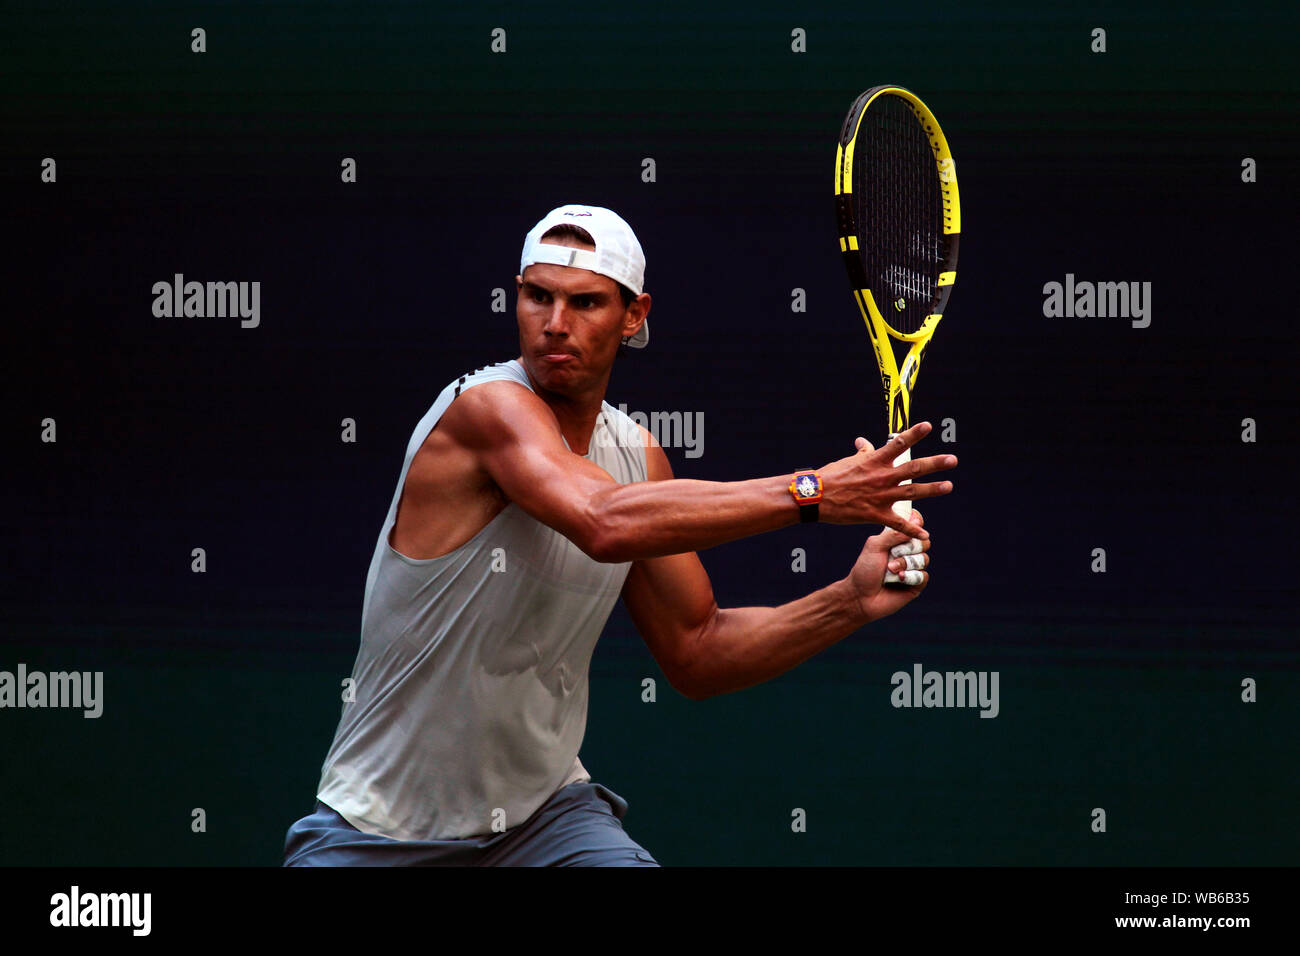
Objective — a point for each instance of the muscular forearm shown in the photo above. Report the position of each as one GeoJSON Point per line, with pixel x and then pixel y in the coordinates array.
{"type": "Point", "coordinates": [741, 647]}
{"type": "Point", "coordinates": [650, 519]}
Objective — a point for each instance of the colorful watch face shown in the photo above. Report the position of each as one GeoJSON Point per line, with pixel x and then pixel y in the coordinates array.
{"type": "Point", "coordinates": [807, 487]}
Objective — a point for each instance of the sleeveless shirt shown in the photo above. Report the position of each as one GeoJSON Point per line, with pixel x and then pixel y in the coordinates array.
{"type": "Point", "coordinates": [471, 678]}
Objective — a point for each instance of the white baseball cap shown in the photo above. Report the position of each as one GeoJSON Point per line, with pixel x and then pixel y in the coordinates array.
{"type": "Point", "coordinates": [617, 254]}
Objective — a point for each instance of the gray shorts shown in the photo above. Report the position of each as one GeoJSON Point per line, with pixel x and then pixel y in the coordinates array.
{"type": "Point", "coordinates": [578, 826]}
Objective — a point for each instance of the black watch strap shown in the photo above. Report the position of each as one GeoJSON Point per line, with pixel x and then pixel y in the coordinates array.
{"type": "Point", "coordinates": [807, 491]}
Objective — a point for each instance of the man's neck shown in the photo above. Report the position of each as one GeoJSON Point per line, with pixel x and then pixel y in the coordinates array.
{"type": "Point", "coordinates": [575, 414]}
{"type": "Point", "coordinates": [577, 422]}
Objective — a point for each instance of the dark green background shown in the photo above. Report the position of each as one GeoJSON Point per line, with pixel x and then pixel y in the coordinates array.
{"type": "Point", "coordinates": [1118, 691]}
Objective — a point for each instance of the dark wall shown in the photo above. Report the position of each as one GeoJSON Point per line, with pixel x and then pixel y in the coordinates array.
{"type": "Point", "coordinates": [1120, 690]}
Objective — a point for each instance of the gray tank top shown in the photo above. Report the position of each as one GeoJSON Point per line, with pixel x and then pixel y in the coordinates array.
{"type": "Point", "coordinates": [471, 679]}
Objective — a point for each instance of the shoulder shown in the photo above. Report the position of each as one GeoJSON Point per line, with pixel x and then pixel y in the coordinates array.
{"type": "Point", "coordinates": [656, 462]}
{"type": "Point", "coordinates": [510, 371]}
{"type": "Point", "coordinates": [496, 406]}
{"type": "Point", "coordinates": [630, 434]}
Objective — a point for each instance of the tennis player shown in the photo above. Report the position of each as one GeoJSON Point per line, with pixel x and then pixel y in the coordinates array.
{"type": "Point", "coordinates": [526, 506]}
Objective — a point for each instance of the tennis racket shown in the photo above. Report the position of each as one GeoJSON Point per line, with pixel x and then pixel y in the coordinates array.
{"type": "Point", "coordinates": [898, 219]}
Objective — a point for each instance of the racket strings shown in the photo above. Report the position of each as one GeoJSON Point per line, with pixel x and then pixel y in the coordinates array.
{"type": "Point", "coordinates": [899, 210]}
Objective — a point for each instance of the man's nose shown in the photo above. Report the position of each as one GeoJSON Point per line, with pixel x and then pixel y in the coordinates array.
{"type": "Point", "coordinates": [557, 321]}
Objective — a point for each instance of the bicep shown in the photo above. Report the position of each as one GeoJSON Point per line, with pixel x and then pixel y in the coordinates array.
{"type": "Point", "coordinates": [670, 599]}
{"type": "Point", "coordinates": [516, 440]}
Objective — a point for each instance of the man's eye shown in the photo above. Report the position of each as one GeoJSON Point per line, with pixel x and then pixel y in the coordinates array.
{"type": "Point", "coordinates": [583, 301]}
{"type": "Point", "coordinates": [539, 295]}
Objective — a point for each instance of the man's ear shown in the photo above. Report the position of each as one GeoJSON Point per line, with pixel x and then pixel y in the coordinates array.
{"type": "Point", "coordinates": [638, 307]}
{"type": "Point", "coordinates": [632, 326]}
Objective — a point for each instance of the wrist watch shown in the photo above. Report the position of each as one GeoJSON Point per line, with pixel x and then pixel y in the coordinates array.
{"type": "Point", "coordinates": [807, 491]}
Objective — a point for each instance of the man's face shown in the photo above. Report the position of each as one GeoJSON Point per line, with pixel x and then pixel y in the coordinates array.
{"type": "Point", "coordinates": [571, 323]}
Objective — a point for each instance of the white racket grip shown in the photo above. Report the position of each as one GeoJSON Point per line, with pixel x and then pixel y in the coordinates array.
{"type": "Point", "coordinates": [901, 508]}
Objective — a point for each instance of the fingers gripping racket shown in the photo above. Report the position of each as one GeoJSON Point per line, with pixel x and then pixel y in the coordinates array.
{"type": "Point", "coordinates": [899, 220]}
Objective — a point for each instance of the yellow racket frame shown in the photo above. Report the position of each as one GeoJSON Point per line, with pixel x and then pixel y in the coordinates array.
{"type": "Point", "coordinates": [899, 380]}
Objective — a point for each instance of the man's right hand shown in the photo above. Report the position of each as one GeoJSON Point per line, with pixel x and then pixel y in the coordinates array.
{"type": "Point", "coordinates": [876, 600]}
{"type": "Point", "coordinates": [862, 488]}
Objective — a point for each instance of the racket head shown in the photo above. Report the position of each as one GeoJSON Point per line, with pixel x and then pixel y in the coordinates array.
{"type": "Point", "coordinates": [898, 210]}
